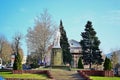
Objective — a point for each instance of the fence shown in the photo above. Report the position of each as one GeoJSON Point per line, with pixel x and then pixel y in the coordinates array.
{"type": "Point", "coordinates": [105, 73]}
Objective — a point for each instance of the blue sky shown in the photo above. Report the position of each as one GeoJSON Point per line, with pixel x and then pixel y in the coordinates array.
{"type": "Point", "coordinates": [18, 15]}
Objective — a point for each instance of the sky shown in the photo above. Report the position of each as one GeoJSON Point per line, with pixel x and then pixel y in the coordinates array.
{"type": "Point", "coordinates": [19, 15]}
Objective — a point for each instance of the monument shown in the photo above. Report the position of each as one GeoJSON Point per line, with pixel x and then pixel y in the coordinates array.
{"type": "Point", "coordinates": [56, 55]}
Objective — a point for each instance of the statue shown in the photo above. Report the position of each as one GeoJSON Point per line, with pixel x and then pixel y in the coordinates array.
{"type": "Point", "coordinates": [56, 43]}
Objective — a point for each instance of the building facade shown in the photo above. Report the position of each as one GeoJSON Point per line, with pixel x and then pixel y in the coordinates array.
{"type": "Point", "coordinates": [75, 50]}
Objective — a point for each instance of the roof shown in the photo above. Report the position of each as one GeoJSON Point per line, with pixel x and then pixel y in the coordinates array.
{"type": "Point", "coordinates": [74, 43]}
{"type": "Point", "coordinates": [74, 46]}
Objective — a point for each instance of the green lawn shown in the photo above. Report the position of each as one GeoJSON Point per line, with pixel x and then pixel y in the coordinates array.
{"type": "Point", "coordinates": [104, 78]}
{"type": "Point", "coordinates": [25, 76]}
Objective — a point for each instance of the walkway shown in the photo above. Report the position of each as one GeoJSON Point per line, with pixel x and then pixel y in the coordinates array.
{"type": "Point", "coordinates": [60, 74]}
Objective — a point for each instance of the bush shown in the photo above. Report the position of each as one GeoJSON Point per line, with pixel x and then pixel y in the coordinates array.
{"type": "Point", "coordinates": [107, 64]}
{"type": "Point", "coordinates": [18, 62]}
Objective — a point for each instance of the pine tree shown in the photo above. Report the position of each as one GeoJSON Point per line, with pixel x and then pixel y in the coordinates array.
{"type": "Point", "coordinates": [107, 64]}
{"type": "Point", "coordinates": [80, 65]}
{"type": "Point", "coordinates": [91, 53]}
{"type": "Point", "coordinates": [67, 56]}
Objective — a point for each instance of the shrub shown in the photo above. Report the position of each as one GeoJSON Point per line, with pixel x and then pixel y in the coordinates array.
{"type": "Point", "coordinates": [18, 62]}
{"type": "Point", "coordinates": [80, 65]}
{"type": "Point", "coordinates": [107, 64]}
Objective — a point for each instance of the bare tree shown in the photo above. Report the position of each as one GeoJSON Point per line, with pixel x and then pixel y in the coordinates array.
{"type": "Point", "coordinates": [2, 41]}
{"type": "Point", "coordinates": [5, 50]}
{"type": "Point", "coordinates": [6, 53]}
{"type": "Point", "coordinates": [40, 36]}
{"type": "Point", "coordinates": [16, 44]}
{"type": "Point", "coordinates": [115, 58]}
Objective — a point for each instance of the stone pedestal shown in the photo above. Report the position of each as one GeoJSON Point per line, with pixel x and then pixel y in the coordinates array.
{"type": "Point", "coordinates": [56, 57]}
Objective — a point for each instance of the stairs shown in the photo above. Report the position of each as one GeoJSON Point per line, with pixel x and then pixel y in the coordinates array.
{"type": "Point", "coordinates": [60, 74]}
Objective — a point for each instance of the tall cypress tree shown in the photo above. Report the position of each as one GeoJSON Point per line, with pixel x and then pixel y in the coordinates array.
{"type": "Point", "coordinates": [91, 53]}
{"type": "Point", "coordinates": [67, 56]}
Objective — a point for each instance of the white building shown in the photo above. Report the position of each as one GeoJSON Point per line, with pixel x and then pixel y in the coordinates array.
{"type": "Point", "coordinates": [75, 50]}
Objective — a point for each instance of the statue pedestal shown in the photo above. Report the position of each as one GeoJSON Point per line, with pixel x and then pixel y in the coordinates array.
{"type": "Point", "coordinates": [56, 57]}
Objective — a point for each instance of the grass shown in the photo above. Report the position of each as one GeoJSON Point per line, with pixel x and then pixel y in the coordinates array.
{"type": "Point", "coordinates": [21, 76]}
{"type": "Point", "coordinates": [104, 78]}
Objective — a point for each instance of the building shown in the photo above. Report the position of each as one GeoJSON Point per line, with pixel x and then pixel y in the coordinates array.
{"type": "Point", "coordinates": [75, 50]}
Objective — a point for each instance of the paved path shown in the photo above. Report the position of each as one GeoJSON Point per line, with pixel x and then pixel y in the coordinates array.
{"type": "Point", "coordinates": [60, 74]}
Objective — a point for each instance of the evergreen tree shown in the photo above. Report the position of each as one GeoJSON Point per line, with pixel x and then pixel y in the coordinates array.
{"type": "Point", "coordinates": [67, 56]}
{"type": "Point", "coordinates": [107, 64]}
{"type": "Point", "coordinates": [80, 65]}
{"type": "Point", "coordinates": [91, 53]}
{"type": "Point", "coordinates": [17, 63]}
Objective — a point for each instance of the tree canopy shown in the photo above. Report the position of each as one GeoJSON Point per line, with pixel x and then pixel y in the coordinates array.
{"type": "Point", "coordinates": [39, 37]}
{"type": "Point", "coordinates": [91, 53]}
